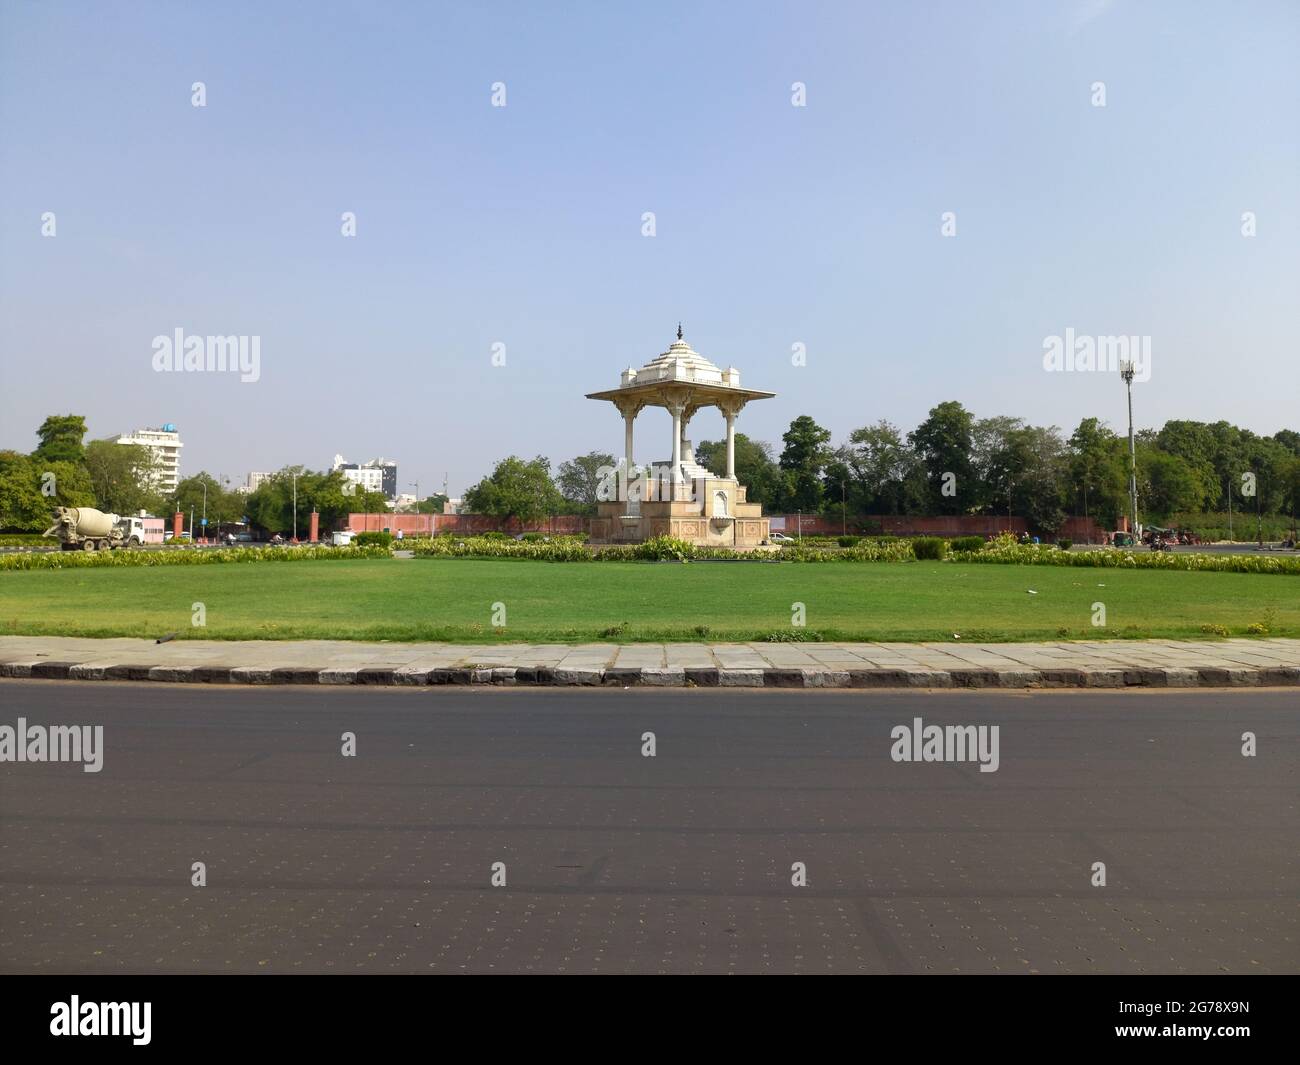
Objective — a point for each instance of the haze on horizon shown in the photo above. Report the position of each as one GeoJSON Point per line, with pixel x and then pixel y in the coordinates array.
{"type": "Point", "coordinates": [522, 225]}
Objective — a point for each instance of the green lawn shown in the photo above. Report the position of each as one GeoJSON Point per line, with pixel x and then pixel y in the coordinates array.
{"type": "Point", "coordinates": [452, 599]}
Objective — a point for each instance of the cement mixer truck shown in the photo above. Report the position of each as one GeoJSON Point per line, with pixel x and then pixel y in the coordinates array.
{"type": "Point", "coordinates": [87, 529]}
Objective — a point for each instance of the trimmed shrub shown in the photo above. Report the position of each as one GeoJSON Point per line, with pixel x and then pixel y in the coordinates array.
{"type": "Point", "coordinates": [376, 539]}
{"type": "Point", "coordinates": [665, 549]}
{"type": "Point", "coordinates": [215, 556]}
{"type": "Point", "coordinates": [967, 543]}
{"type": "Point", "coordinates": [930, 548]}
{"type": "Point", "coordinates": [1065, 545]}
{"type": "Point", "coordinates": [848, 541]}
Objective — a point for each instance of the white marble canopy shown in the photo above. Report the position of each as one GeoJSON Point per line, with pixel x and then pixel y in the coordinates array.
{"type": "Point", "coordinates": [681, 380]}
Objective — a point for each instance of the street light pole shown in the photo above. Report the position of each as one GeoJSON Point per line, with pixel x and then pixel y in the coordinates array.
{"type": "Point", "coordinates": [205, 512]}
{"type": "Point", "coordinates": [1126, 371]}
{"type": "Point", "coordinates": [295, 508]}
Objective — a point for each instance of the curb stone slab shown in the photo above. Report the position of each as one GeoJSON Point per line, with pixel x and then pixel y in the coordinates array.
{"type": "Point", "coordinates": [1273, 662]}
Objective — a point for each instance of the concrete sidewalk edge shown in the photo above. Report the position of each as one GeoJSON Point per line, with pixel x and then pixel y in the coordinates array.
{"type": "Point", "coordinates": [704, 677]}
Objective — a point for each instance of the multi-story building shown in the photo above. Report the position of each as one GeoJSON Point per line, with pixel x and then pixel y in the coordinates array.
{"type": "Point", "coordinates": [255, 481]}
{"type": "Point", "coordinates": [377, 475]}
{"type": "Point", "coordinates": [165, 444]}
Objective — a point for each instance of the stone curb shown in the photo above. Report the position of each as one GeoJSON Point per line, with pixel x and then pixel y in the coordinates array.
{"type": "Point", "coordinates": [697, 677]}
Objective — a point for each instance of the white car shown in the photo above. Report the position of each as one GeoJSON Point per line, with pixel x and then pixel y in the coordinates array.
{"type": "Point", "coordinates": [781, 538]}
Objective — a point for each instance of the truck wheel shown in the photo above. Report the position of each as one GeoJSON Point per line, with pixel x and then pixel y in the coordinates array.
{"type": "Point", "coordinates": [88, 545]}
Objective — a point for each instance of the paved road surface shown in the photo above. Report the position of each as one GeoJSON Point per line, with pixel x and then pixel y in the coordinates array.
{"type": "Point", "coordinates": [617, 862]}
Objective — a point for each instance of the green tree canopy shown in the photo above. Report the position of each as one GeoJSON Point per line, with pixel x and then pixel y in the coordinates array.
{"type": "Point", "coordinates": [803, 460]}
{"type": "Point", "coordinates": [60, 439]}
{"type": "Point", "coordinates": [579, 478]}
{"type": "Point", "coordinates": [944, 442]}
{"type": "Point", "coordinates": [121, 476]}
{"type": "Point", "coordinates": [516, 489]}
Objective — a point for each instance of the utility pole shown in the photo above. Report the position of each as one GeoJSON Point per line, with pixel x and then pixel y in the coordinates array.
{"type": "Point", "coordinates": [1126, 371]}
{"type": "Point", "coordinates": [295, 508]}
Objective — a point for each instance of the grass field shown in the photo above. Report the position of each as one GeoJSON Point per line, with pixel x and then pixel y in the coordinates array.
{"type": "Point", "coordinates": [437, 599]}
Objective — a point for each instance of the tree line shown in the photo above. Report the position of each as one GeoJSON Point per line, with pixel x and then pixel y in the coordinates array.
{"type": "Point", "coordinates": [63, 470]}
{"type": "Point", "coordinates": [952, 463]}
{"type": "Point", "coordinates": [956, 463]}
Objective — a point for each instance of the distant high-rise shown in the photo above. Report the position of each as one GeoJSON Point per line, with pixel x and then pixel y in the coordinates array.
{"type": "Point", "coordinates": [377, 475]}
{"type": "Point", "coordinates": [165, 445]}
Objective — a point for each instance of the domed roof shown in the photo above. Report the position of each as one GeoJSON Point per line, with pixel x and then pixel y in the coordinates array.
{"type": "Point", "coordinates": [681, 366]}
{"type": "Point", "coordinates": [680, 362]}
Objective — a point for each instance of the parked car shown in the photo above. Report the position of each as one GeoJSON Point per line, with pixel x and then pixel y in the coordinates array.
{"type": "Point", "coordinates": [781, 538]}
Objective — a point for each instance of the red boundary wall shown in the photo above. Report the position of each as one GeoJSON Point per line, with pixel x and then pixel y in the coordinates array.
{"type": "Point", "coordinates": [418, 524]}
{"type": "Point", "coordinates": [1081, 530]}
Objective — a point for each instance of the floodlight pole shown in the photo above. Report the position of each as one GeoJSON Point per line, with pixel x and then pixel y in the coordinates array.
{"type": "Point", "coordinates": [1126, 372]}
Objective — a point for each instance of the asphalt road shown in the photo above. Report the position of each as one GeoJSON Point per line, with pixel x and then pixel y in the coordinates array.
{"type": "Point", "coordinates": [681, 862]}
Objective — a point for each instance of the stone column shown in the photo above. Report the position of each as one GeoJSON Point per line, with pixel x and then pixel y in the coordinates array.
{"type": "Point", "coordinates": [730, 408]}
{"type": "Point", "coordinates": [677, 447]}
{"type": "Point", "coordinates": [628, 418]}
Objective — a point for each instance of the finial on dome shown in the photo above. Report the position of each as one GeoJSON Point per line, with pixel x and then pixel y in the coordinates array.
{"type": "Point", "coordinates": [679, 330]}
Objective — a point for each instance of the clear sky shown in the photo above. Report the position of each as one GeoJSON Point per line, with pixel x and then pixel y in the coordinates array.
{"type": "Point", "coordinates": [522, 225]}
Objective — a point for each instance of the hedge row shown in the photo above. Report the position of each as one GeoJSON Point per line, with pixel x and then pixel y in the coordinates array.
{"type": "Point", "coordinates": [1004, 551]}
{"type": "Point", "coordinates": [1047, 555]}
{"type": "Point", "coordinates": [194, 557]}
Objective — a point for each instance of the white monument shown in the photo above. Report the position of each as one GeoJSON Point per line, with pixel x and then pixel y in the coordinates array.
{"type": "Point", "coordinates": [679, 497]}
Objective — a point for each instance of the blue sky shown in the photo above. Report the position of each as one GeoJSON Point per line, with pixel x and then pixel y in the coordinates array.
{"type": "Point", "coordinates": [521, 225]}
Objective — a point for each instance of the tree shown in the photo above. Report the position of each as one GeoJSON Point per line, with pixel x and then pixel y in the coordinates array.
{"type": "Point", "coordinates": [996, 465]}
{"type": "Point", "coordinates": [1036, 461]}
{"type": "Point", "coordinates": [944, 443]}
{"type": "Point", "coordinates": [803, 459]}
{"type": "Point", "coordinates": [880, 463]}
{"type": "Point", "coordinates": [22, 506]}
{"type": "Point", "coordinates": [61, 436]}
{"type": "Point", "coordinates": [331, 495]}
{"type": "Point", "coordinates": [579, 478]}
{"type": "Point", "coordinates": [1098, 472]}
{"type": "Point", "coordinates": [1167, 483]}
{"type": "Point", "coordinates": [205, 496]}
{"type": "Point", "coordinates": [1289, 439]}
{"type": "Point", "coordinates": [432, 505]}
{"type": "Point", "coordinates": [122, 477]}
{"type": "Point", "coordinates": [517, 490]}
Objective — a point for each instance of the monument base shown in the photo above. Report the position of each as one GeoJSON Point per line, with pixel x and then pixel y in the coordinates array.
{"type": "Point", "coordinates": [716, 515]}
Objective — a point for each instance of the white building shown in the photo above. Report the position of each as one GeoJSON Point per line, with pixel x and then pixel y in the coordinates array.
{"type": "Point", "coordinates": [165, 444]}
{"type": "Point", "coordinates": [377, 475]}
{"type": "Point", "coordinates": [255, 481]}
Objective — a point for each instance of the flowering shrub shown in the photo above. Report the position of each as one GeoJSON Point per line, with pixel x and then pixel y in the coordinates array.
{"type": "Point", "coordinates": [665, 549]}
{"type": "Point", "coordinates": [1007, 551]}
{"type": "Point", "coordinates": [195, 557]}
{"type": "Point", "coordinates": [557, 549]}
